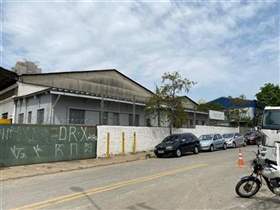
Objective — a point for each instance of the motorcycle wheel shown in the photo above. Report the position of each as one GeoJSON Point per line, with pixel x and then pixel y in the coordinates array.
{"type": "Point", "coordinates": [270, 187]}
{"type": "Point", "coordinates": [247, 188]}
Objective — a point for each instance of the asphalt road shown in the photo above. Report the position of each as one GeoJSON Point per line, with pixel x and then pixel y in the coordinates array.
{"type": "Point", "coordinates": [204, 181]}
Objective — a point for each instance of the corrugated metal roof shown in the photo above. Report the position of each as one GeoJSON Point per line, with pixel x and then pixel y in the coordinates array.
{"type": "Point", "coordinates": [7, 78]}
{"type": "Point", "coordinates": [102, 83]}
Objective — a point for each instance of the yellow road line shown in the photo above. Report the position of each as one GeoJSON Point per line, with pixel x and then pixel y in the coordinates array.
{"type": "Point", "coordinates": [69, 197]}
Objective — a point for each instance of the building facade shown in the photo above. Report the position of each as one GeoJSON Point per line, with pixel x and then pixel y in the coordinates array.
{"type": "Point", "coordinates": [242, 109]}
{"type": "Point", "coordinates": [98, 97]}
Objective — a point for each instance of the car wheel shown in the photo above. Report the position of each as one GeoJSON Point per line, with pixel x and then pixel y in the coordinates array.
{"type": "Point", "coordinates": [195, 151]}
{"type": "Point", "coordinates": [159, 156]}
{"type": "Point", "coordinates": [234, 145]}
{"type": "Point", "coordinates": [178, 153]}
{"type": "Point", "coordinates": [211, 148]}
{"type": "Point", "coordinates": [225, 146]}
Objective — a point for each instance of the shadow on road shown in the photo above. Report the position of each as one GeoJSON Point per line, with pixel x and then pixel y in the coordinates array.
{"type": "Point", "coordinates": [264, 203]}
{"type": "Point", "coordinates": [81, 190]}
{"type": "Point", "coordinates": [141, 206]}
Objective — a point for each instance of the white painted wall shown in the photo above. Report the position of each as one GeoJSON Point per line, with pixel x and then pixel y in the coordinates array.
{"type": "Point", "coordinates": [7, 105]}
{"type": "Point", "coordinates": [33, 104]}
{"type": "Point", "coordinates": [146, 137]}
{"type": "Point", "coordinates": [92, 108]}
{"type": "Point", "coordinates": [25, 89]}
{"type": "Point", "coordinates": [250, 112]}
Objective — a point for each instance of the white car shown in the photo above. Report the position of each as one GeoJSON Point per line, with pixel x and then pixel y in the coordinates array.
{"type": "Point", "coordinates": [234, 140]}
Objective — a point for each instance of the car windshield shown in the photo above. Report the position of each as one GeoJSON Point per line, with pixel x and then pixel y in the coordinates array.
{"type": "Point", "coordinates": [249, 133]}
{"type": "Point", "coordinates": [271, 119]}
{"type": "Point", "coordinates": [253, 134]}
{"type": "Point", "coordinates": [205, 137]}
{"type": "Point", "coordinates": [228, 135]}
{"type": "Point", "coordinates": [172, 138]}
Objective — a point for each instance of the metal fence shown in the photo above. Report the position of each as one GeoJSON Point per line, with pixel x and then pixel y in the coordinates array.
{"type": "Point", "coordinates": [28, 144]}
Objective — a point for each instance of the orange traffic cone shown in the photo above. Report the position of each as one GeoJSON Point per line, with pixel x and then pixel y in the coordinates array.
{"type": "Point", "coordinates": [240, 159]}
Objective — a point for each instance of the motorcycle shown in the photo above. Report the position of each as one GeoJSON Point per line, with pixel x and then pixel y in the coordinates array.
{"type": "Point", "coordinates": [263, 169]}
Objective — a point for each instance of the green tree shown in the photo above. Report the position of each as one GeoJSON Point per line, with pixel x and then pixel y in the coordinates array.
{"type": "Point", "coordinates": [205, 107]}
{"type": "Point", "coordinates": [269, 95]}
{"type": "Point", "coordinates": [167, 99]}
{"type": "Point", "coordinates": [238, 115]}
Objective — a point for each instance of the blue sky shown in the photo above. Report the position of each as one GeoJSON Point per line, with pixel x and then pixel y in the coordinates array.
{"type": "Point", "coordinates": [227, 47]}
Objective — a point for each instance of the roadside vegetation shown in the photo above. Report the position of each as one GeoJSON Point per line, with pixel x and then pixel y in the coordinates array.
{"type": "Point", "coordinates": [167, 100]}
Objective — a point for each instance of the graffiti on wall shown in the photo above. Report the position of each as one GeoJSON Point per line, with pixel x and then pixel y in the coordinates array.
{"type": "Point", "coordinates": [24, 144]}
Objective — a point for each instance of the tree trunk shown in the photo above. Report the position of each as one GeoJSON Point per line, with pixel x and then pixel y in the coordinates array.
{"type": "Point", "coordinates": [170, 128]}
{"type": "Point", "coordinates": [158, 118]}
{"type": "Point", "coordinates": [171, 124]}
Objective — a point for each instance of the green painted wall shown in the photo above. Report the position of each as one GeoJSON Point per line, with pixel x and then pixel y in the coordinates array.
{"type": "Point", "coordinates": [28, 144]}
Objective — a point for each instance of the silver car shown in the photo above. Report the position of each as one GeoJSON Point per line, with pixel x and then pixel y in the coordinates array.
{"type": "Point", "coordinates": [234, 140]}
{"type": "Point", "coordinates": [210, 142]}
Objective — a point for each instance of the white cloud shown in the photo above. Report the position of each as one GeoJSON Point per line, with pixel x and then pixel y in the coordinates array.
{"type": "Point", "coordinates": [211, 43]}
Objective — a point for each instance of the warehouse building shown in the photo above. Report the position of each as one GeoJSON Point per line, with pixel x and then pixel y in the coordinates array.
{"type": "Point", "coordinates": [97, 97]}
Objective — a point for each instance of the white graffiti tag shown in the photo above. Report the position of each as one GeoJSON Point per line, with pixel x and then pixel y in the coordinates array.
{"type": "Point", "coordinates": [18, 153]}
{"type": "Point", "coordinates": [84, 133]}
{"type": "Point", "coordinates": [88, 148]}
{"type": "Point", "coordinates": [73, 149]}
{"type": "Point", "coordinates": [58, 150]}
{"type": "Point", "coordinates": [37, 150]}
{"type": "Point", "coordinates": [92, 137]}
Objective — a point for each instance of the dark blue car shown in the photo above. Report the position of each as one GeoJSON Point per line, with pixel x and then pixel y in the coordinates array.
{"type": "Point", "coordinates": [178, 144]}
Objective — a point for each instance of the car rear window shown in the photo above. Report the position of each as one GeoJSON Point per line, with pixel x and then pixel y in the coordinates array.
{"type": "Point", "coordinates": [228, 135]}
{"type": "Point", "coordinates": [171, 138]}
{"type": "Point", "coordinates": [205, 137]}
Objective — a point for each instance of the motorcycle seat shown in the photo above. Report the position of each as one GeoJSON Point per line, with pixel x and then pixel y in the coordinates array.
{"type": "Point", "coordinates": [271, 162]}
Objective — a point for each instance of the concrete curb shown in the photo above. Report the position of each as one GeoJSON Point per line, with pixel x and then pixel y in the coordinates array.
{"type": "Point", "coordinates": [113, 162]}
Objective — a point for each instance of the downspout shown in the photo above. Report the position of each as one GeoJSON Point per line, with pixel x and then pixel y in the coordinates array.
{"type": "Point", "coordinates": [15, 112]}
{"type": "Point", "coordinates": [25, 115]}
{"type": "Point", "coordinates": [194, 118]}
{"type": "Point", "coordinates": [133, 111]}
{"type": "Point", "coordinates": [53, 106]}
{"type": "Point", "coordinates": [101, 121]}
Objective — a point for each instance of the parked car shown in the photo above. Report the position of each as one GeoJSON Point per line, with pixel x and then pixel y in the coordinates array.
{"type": "Point", "coordinates": [252, 137]}
{"type": "Point", "coordinates": [178, 144]}
{"type": "Point", "coordinates": [211, 142]}
{"type": "Point", "coordinates": [234, 140]}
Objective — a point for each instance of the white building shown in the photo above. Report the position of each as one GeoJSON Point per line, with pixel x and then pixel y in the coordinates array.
{"type": "Point", "coordinates": [98, 97]}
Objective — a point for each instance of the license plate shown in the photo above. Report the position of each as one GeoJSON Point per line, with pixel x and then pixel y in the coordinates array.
{"type": "Point", "coordinates": [160, 151]}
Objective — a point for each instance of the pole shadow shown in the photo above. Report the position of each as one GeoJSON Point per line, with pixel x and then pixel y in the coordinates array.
{"type": "Point", "coordinates": [81, 190]}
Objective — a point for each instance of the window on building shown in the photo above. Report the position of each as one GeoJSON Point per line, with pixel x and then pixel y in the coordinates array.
{"type": "Point", "coordinates": [21, 118]}
{"type": "Point", "coordinates": [191, 122]}
{"type": "Point", "coordinates": [29, 117]}
{"type": "Point", "coordinates": [40, 116]}
{"type": "Point", "coordinates": [197, 122]}
{"type": "Point", "coordinates": [76, 116]}
{"type": "Point", "coordinates": [105, 118]}
{"type": "Point", "coordinates": [130, 120]}
{"type": "Point", "coordinates": [5, 115]}
{"type": "Point", "coordinates": [148, 122]}
{"type": "Point", "coordinates": [137, 120]}
{"type": "Point", "coordinates": [116, 119]}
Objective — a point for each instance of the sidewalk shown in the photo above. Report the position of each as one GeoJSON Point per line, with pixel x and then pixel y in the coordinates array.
{"type": "Point", "coordinates": [18, 172]}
